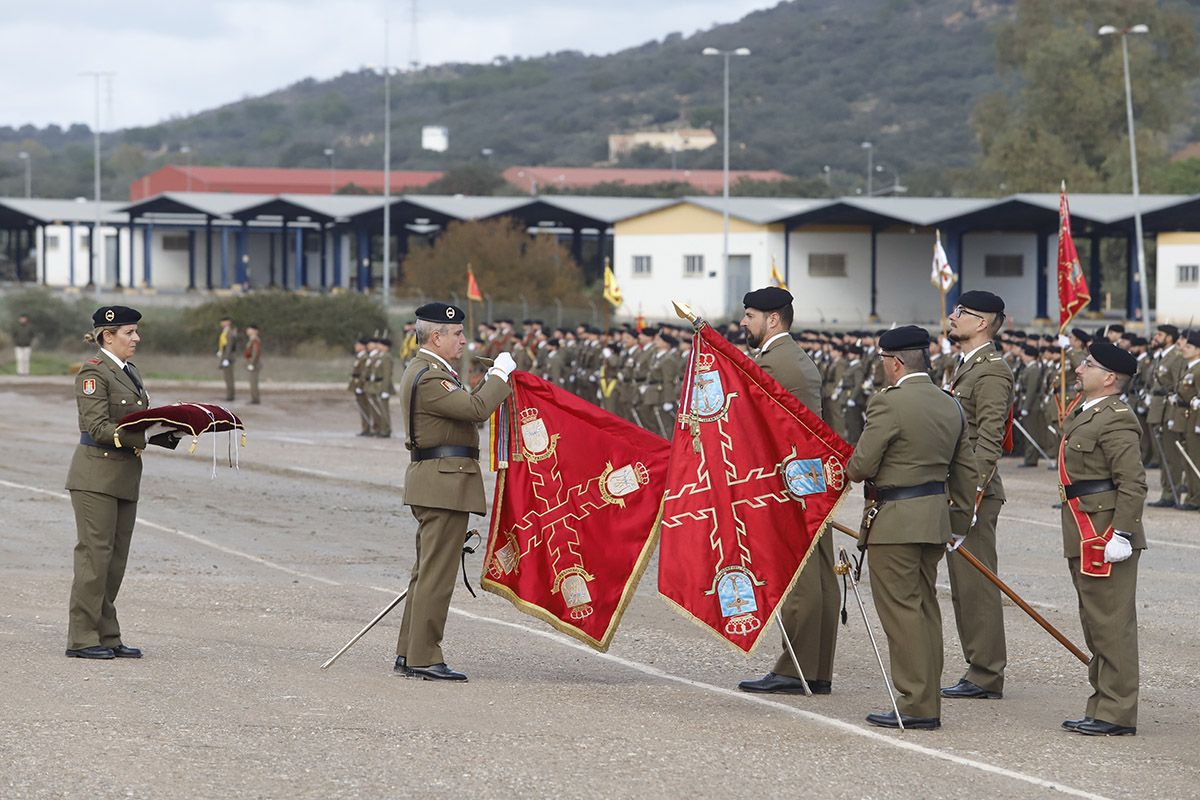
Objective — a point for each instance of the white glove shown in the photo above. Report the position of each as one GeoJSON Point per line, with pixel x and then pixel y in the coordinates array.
{"type": "Point", "coordinates": [955, 542]}
{"type": "Point", "coordinates": [642, 389]}
{"type": "Point", "coordinates": [1064, 341]}
{"type": "Point", "coordinates": [505, 364]}
{"type": "Point", "coordinates": [384, 395]}
{"type": "Point", "coordinates": [1196, 402]}
{"type": "Point", "coordinates": [606, 352]}
{"type": "Point", "coordinates": [224, 363]}
{"type": "Point", "coordinates": [946, 347]}
{"type": "Point", "coordinates": [250, 367]}
{"type": "Point", "coordinates": [358, 391]}
{"type": "Point", "coordinates": [668, 406]}
{"type": "Point", "coordinates": [1117, 549]}
{"type": "Point", "coordinates": [1173, 399]}
{"type": "Point", "coordinates": [850, 403]}
{"type": "Point", "coordinates": [1024, 412]}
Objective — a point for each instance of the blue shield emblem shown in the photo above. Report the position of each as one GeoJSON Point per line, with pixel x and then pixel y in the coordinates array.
{"type": "Point", "coordinates": [735, 591]}
{"type": "Point", "coordinates": [708, 398]}
{"type": "Point", "coordinates": [804, 476]}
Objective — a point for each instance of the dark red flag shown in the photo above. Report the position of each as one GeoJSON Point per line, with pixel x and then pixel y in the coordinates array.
{"type": "Point", "coordinates": [1073, 294]}
{"type": "Point", "coordinates": [754, 477]}
{"type": "Point", "coordinates": [573, 519]}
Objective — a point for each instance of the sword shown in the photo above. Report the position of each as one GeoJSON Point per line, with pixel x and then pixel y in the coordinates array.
{"type": "Point", "coordinates": [1162, 459]}
{"type": "Point", "coordinates": [1012, 595]}
{"type": "Point", "coordinates": [1017, 424]}
{"type": "Point", "coordinates": [792, 653]}
{"type": "Point", "coordinates": [843, 568]}
{"type": "Point", "coordinates": [368, 627]}
{"type": "Point", "coordinates": [1188, 459]}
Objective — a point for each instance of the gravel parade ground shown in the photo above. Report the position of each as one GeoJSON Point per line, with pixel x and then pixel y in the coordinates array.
{"type": "Point", "coordinates": [240, 586]}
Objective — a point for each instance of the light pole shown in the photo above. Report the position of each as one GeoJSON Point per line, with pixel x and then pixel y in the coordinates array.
{"type": "Point", "coordinates": [186, 152]}
{"type": "Point", "coordinates": [28, 173]}
{"type": "Point", "coordinates": [97, 240]}
{"type": "Point", "coordinates": [712, 51]}
{"type": "Point", "coordinates": [895, 188]}
{"type": "Point", "coordinates": [870, 148]}
{"type": "Point", "coordinates": [1109, 30]}
{"type": "Point", "coordinates": [329, 155]}
{"type": "Point", "coordinates": [387, 169]}
{"type": "Point", "coordinates": [828, 176]}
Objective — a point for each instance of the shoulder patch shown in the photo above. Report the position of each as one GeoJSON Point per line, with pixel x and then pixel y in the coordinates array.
{"type": "Point", "coordinates": [449, 387]}
{"type": "Point", "coordinates": [89, 386]}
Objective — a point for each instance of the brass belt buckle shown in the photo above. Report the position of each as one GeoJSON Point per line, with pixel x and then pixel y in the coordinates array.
{"type": "Point", "coordinates": [1062, 493]}
{"type": "Point", "coordinates": [869, 520]}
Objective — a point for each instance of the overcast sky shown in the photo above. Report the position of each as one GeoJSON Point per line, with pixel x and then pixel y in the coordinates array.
{"type": "Point", "coordinates": [181, 56]}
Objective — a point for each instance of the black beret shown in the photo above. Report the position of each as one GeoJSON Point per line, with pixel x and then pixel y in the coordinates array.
{"type": "Point", "coordinates": [114, 315]}
{"type": "Point", "coordinates": [364, 340]}
{"type": "Point", "coordinates": [669, 339]}
{"type": "Point", "coordinates": [1113, 357]}
{"type": "Point", "coordinates": [441, 312]}
{"type": "Point", "coordinates": [383, 340]}
{"type": "Point", "coordinates": [1030, 350]}
{"type": "Point", "coordinates": [1081, 335]}
{"type": "Point", "coordinates": [981, 301]}
{"type": "Point", "coordinates": [854, 350]}
{"type": "Point", "coordinates": [1170, 330]}
{"type": "Point", "coordinates": [1116, 327]}
{"type": "Point", "coordinates": [1193, 338]}
{"type": "Point", "coordinates": [772, 298]}
{"type": "Point", "coordinates": [906, 337]}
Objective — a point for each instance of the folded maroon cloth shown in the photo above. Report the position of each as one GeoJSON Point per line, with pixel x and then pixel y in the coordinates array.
{"type": "Point", "coordinates": [190, 418]}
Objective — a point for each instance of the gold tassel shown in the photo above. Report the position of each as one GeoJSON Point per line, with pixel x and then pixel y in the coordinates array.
{"type": "Point", "coordinates": [116, 440]}
{"type": "Point", "coordinates": [195, 444]}
{"type": "Point", "coordinates": [243, 438]}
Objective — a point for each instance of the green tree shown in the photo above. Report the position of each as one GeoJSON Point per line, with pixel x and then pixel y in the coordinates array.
{"type": "Point", "coordinates": [470, 179]}
{"type": "Point", "coordinates": [508, 264]}
{"type": "Point", "coordinates": [1063, 116]}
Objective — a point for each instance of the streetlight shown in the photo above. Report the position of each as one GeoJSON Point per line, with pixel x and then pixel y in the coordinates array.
{"type": "Point", "coordinates": [329, 155]}
{"type": "Point", "coordinates": [895, 188]}
{"type": "Point", "coordinates": [96, 242]}
{"type": "Point", "coordinates": [870, 148]}
{"type": "Point", "coordinates": [28, 173]}
{"type": "Point", "coordinates": [186, 152]}
{"type": "Point", "coordinates": [828, 175]}
{"type": "Point", "coordinates": [1109, 30]}
{"type": "Point", "coordinates": [712, 51]}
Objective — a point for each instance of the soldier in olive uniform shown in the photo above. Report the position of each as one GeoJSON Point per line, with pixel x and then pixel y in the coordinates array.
{"type": "Point", "coordinates": [226, 352]}
{"type": "Point", "coordinates": [914, 448]}
{"type": "Point", "coordinates": [983, 385]}
{"type": "Point", "coordinates": [22, 339]}
{"type": "Point", "coordinates": [1029, 406]}
{"type": "Point", "coordinates": [358, 384]}
{"type": "Point", "coordinates": [442, 484]}
{"type": "Point", "coordinates": [381, 376]}
{"type": "Point", "coordinates": [105, 474]}
{"type": "Point", "coordinates": [1104, 492]}
{"type": "Point", "coordinates": [253, 356]}
{"type": "Point", "coordinates": [1188, 399]}
{"type": "Point", "coordinates": [809, 613]}
{"type": "Point", "coordinates": [1169, 366]}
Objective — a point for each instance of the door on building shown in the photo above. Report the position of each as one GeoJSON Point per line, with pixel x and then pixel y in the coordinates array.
{"type": "Point", "coordinates": [737, 283]}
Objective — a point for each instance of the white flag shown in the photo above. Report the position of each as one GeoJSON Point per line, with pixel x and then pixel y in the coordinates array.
{"type": "Point", "coordinates": [943, 276]}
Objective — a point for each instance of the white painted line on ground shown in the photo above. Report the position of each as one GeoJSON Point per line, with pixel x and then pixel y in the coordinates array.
{"type": "Point", "coordinates": [319, 472]}
{"type": "Point", "coordinates": [846, 727]}
{"type": "Point", "coordinates": [1058, 527]}
{"type": "Point", "coordinates": [190, 537]}
{"type": "Point", "coordinates": [289, 439]}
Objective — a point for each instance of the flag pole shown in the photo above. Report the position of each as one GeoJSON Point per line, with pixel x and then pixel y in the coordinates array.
{"type": "Point", "coordinates": [941, 288]}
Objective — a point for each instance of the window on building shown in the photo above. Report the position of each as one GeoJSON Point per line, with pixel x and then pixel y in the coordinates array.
{"type": "Point", "coordinates": [641, 265]}
{"type": "Point", "coordinates": [1003, 266]}
{"type": "Point", "coordinates": [175, 242]}
{"type": "Point", "coordinates": [693, 266]}
{"type": "Point", "coordinates": [827, 265]}
{"type": "Point", "coordinates": [52, 243]}
{"type": "Point", "coordinates": [1189, 275]}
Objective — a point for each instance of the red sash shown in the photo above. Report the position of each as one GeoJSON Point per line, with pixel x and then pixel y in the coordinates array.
{"type": "Point", "coordinates": [1091, 544]}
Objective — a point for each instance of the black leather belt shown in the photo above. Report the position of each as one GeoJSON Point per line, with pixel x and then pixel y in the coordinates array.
{"type": "Point", "coordinates": [1081, 488]}
{"type": "Point", "coordinates": [639, 380]}
{"type": "Point", "coordinates": [445, 451]}
{"type": "Point", "coordinates": [86, 438]}
{"type": "Point", "coordinates": [1160, 393]}
{"type": "Point", "coordinates": [890, 493]}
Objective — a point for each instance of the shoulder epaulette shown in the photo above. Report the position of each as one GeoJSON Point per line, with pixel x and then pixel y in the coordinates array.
{"type": "Point", "coordinates": [93, 361]}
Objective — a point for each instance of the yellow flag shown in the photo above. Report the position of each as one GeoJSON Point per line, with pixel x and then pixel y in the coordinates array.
{"type": "Point", "coordinates": [612, 292]}
{"type": "Point", "coordinates": [776, 278]}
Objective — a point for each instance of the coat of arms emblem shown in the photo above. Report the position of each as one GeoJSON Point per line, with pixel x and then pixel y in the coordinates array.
{"type": "Point", "coordinates": [708, 397]}
{"type": "Point", "coordinates": [536, 442]}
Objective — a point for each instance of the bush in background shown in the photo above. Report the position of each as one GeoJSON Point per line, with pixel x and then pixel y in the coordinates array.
{"type": "Point", "coordinates": [59, 321]}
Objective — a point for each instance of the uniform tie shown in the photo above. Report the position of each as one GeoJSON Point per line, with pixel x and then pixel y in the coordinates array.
{"type": "Point", "coordinates": [136, 383]}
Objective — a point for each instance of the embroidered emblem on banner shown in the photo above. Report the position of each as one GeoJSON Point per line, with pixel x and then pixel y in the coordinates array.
{"type": "Point", "coordinates": [709, 400]}
{"type": "Point", "coordinates": [536, 441]}
{"type": "Point", "coordinates": [803, 476]}
{"type": "Point", "coordinates": [89, 386]}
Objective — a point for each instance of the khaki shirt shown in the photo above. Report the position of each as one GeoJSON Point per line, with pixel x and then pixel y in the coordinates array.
{"type": "Point", "coordinates": [103, 395]}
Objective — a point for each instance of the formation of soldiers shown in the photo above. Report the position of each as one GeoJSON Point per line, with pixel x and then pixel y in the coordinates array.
{"type": "Point", "coordinates": [636, 372]}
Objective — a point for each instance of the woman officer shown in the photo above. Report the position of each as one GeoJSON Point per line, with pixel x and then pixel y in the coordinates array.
{"type": "Point", "coordinates": [103, 480]}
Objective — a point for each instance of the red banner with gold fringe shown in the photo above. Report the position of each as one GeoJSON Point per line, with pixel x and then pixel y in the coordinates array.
{"type": "Point", "coordinates": [754, 477]}
{"type": "Point", "coordinates": [577, 498]}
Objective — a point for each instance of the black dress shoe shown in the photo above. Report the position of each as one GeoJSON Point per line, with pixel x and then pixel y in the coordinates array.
{"type": "Point", "coordinates": [965, 689]}
{"type": "Point", "coordinates": [121, 651]}
{"type": "Point", "coordinates": [1098, 727]}
{"type": "Point", "coordinates": [402, 667]}
{"type": "Point", "coordinates": [1188, 507]}
{"type": "Point", "coordinates": [772, 683]}
{"type": "Point", "coordinates": [888, 720]}
{"type": "Point", "coordinates": [821, 687]}
{"type": "Point", "coordinates": [436, 672]}
{"type": "Point", "coordinates": [91, 652]}
{"type": "Point", "coordinates": [1167, 503]}
{"type": "Point", "coordinates": [1072, 724]}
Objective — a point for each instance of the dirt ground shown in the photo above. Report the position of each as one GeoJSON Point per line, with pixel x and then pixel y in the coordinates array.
{"type": "Point", "coordinates": [242, 584]}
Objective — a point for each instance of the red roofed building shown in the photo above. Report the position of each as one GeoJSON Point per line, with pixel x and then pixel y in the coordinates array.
{"type": "Point", "coordinates": [707, 181]}
{"type": "Point", "coordinates": [271, 180]}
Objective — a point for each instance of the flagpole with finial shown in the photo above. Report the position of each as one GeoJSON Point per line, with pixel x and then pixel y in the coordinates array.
{"type": "Point", "coordinates": [1062, 351]}
{"type": "Point", "coordinates": [941, 284]}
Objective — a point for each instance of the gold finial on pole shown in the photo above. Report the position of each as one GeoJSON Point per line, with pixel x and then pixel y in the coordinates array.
{"type": "Point", "coordinates": [684, 311]}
